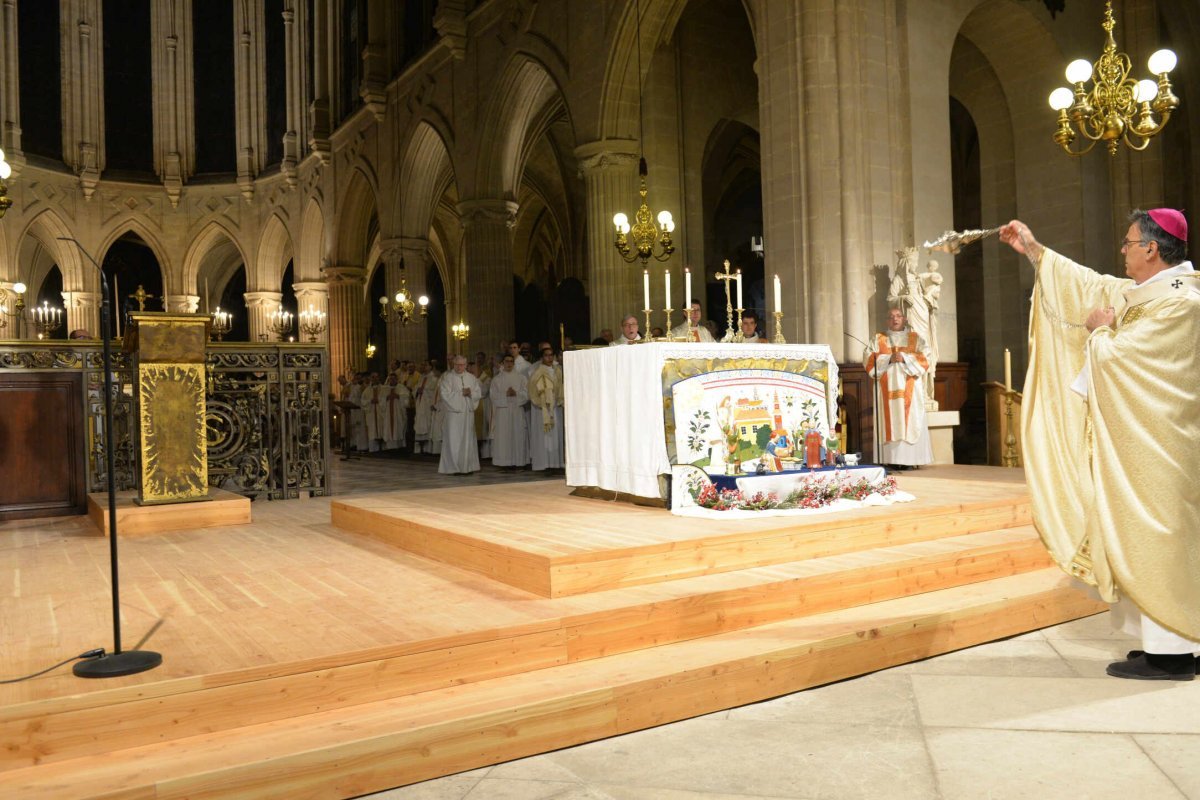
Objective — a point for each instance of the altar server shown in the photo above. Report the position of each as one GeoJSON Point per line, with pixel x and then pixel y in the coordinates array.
{"type": "Point", "coordinates": [509, 394]}
{"type": "Point", "coordinates": [458, 397]}
{"type": "Point", "coordinates": [546, 437]}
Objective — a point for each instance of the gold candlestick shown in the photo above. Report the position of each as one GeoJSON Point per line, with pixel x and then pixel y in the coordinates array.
{"type": "Point", "coordinates": [1010, 438]}
{"type": "Point", "coordinates": [738, 336]}
{"type": "Point", "coordinates": [669, 312]}
{"type": "Point", "coordinates": [778, 338]}
{"type": "Point", "coordinates": [647, 336]}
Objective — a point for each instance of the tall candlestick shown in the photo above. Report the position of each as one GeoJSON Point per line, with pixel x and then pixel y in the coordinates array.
{"type": "Point", "coordinates": [778, 295]}
{"type": "Point", "coordinates": [206, 307]}
{"type": "Point", "coordinates": [667, 304]}
{"type": "Point", "coordinates": [739, 284]}
{"type": "Point", "coordinates": [1007, 370]}
{"type": "Point", "coordinates": [117, 305]}
{"type": "Point", "coordinates": [687, 289]}
{"type": "Point", "coordinates": [646, 286]}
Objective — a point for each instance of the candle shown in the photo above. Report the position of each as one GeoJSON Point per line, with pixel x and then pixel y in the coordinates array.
{"type": "Point", "coordinates": [687, 288]}
{"type": "Point", "coordinates": [117, 305]}
{"type": "Point", "coordinates": [646, 287]}
{"type": "Point", "coordinates": [206, 295]}
{"type": "Point", "coordinates": [739, 283]}
{"type": "Point", "coordinates": [778, 295]}
{"type": "Point", "coordinates": [667, 272]}
{"type": "Point", "coordinates": [1007, 370]}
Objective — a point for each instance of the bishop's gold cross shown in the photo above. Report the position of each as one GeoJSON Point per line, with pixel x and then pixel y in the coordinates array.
{"type": "Point", "coordinates": [141, 297]}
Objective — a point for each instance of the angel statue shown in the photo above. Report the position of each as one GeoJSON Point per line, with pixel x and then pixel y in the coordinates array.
{"type": "Point", "coordinates": [917, 295]}
{"type": "Point", "coordinates": [931, 291]}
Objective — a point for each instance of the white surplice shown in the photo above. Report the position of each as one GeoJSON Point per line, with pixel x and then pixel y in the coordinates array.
{"type": "Point", "coordinates": [460, 451]}
{"type": "Point", "coordinates": [510, 421]}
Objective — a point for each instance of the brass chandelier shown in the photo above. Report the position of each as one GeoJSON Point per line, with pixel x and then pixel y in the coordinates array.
{"type": "Point", "coordinates": [644, 232]}
{"type": "Point", "coordinates": [401, 307]}
{"type": "Point", "coordinates": [1117, 108]}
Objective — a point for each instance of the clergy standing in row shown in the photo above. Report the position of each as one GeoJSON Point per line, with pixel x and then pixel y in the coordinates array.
{"type": "Point", "coordinates": [459, 395]}
{"type": "Point", "coordinates": [510, 422]}
{"type": "Point", "coordinates": [629, 332]}
{"type": "Point", "coordinates": [691, 330]}
{"type": "Point", "coordinates": [898, 361]}
{"type": "Point", "coordinates": [546, 437]}
{"type": "Point", "coordinates": [394, 422]}
{"type": "Point", "coordinates": [1111, 421]}
{"type": "Point", "coordinates": [424, 396]}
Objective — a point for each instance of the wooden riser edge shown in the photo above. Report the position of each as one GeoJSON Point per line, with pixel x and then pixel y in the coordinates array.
{"type": "Point", "coordinates": [53, 731]}
{"type": "Point", "coordinates": [587, 704]}
{"type": "Point", "coordinates": [601, 570]}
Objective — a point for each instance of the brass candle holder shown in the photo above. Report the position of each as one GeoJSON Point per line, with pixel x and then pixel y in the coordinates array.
{"type": "Point", "coordinates": [1010, 438]}
{"type": "Point", "coordinates": [313, 323]}
{"type": "Point", "coordinates": [646, 336]}
{"type": "Point", "coordinates": [778, 338]}
{"type": "Point", "coordinates": [670, 336]}
{"type": "Point", "coordinates": [222, 322]}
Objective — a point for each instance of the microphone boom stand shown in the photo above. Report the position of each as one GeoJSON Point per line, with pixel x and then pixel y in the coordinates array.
{"type": "Point", "coordinates": [118, 662]}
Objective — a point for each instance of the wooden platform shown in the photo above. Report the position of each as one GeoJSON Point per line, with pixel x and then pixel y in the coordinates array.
{"type": "Point", "coordinates": [302, 661]}
{"type": "Point", "coordinates": [563, 545]}
{"type": "Point", "coordinates": [221, 508]}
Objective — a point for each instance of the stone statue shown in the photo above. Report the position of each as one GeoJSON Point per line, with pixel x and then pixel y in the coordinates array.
{"type": "Point", "coordinates": [918, 295]}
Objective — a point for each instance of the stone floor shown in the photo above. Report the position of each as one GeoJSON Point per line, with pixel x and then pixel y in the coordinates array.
{"type": "Point", "coordinates": [1029, 717]}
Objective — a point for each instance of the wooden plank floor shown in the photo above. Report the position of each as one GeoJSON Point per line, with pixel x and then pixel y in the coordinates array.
{"type": "Point", "coordinates": [566, 545]}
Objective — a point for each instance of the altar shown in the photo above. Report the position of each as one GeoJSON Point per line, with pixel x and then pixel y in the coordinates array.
{"type": "Point", "coordinates": [634, 411]}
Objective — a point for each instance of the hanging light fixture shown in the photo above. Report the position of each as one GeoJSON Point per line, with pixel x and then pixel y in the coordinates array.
{"type": "Point", "coordinates": [1117, 108]}
{"type": "Point", "coordinates": [402, 306]}
{"type": "Point", "coordinates": [644, 233]}
{"type": "Point", "coordinates": [5, 172]}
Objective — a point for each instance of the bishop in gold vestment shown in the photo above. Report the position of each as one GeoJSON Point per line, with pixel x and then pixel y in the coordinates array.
{"type": "Point", "coordinates": [1111, 424]}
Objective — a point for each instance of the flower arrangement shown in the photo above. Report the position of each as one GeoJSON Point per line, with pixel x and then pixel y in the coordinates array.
{"type": "Point", "coordinates": [810, 494]}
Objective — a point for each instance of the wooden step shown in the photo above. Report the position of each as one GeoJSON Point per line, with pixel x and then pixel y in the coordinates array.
{"type": "Point", "coordinates": [569, 545]}
{"type": "Point", "coordinates": [350, 751]}
{"type": "Point", "coordinates": [568, 630]}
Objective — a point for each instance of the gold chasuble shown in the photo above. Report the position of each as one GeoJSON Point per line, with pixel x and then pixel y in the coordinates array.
{"type": "Point", "coordinates": [1111, 477]}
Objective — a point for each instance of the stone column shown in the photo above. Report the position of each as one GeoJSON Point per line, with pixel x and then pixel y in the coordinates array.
{"type": "Point", "coordinates": [83, 311]}
{"type": "Point", "coordinates": [484, 287]}
{"type": "Point", "coordinates": [610, 176]}
{"type": "Point", "coordinates": [319, 120]}
{"type": "Point", "coordinates": [296, 74]}
{"type": "Point", "coordinates": [259, 308]}
{"type": "Point", "coordinates": [375, 61]}
{"type": "Point", "coordinates": [312, 296]}
{"type": "Point", "coordinates": [347, 318]}
{"type": "Point", "coordinates": [816, 189]}
{"type": "Point", "coordinates": [83, 92]}
{"type": "Point", "coordinates": [10, 104]}
{"type": "Point", "coordinates": [183, 303]}
{"type": "Point", "coordinates": [250, 94]}
{"type": "Point", "coordinates": [172, 92]}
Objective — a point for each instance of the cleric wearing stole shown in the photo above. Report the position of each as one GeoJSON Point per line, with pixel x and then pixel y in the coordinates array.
{"type": "Point", "coordinates": [1111, 423]}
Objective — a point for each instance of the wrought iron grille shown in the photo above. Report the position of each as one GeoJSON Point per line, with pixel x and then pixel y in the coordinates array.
{"type": "Point", "coordinates": [267, 413]}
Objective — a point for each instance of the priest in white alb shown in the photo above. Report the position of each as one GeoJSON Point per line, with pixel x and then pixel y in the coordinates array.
{"type": "Point", "coordinates": [424, 395]}
{"type": "Point", "coordinates": [459, 395]}
{"type": "Point", "coordinates": [898, 360]}
{"type": "Point", "coordinates": [394, 425]}
{"type": "Point", "coordinates": [509, 394]}
{"type": "Point", "coordinates": [546, 436]}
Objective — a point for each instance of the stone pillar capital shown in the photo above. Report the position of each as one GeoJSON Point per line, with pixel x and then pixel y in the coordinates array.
{"type": "Point", "coordinates": [260, 299]}
{"type": "Point", "coordinates": [607, 154]}
{"type": "Point", "coordinates": [485, 210]}
{"type": "Point", "coordinates": [344, 273]}
{"type": "Point", "coordinates": [183, 303]}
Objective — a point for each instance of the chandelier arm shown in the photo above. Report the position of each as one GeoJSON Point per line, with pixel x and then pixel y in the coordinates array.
{"type": "Point", "coordinates": [1091, 144]}
{"type": "Point", "coordinates": [1129, 142]}
{"type": "Point", "coordinates": [664, 257]}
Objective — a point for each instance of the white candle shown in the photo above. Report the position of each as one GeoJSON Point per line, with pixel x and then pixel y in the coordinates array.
{"type": "Point", "coordinates": [667, 272]}
{"type": "Point", "coordinates": [206, 307]}
{"type": "Point", "coordinates": [739, 283]}
{"type": "Point", "coordinates": [778, 295]}
{"type": "Point", "coordinates": [646, 287]}
{"type": "Point", "coordinates": [1007, 370]}
{"type": "Point", "coordinates": [687, 288]}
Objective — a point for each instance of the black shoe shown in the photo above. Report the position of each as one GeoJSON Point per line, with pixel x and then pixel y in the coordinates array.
{"type": "Point", "coordinates": [1154, 667]}
{"type": "Point", "coordinates": [1132, 654]}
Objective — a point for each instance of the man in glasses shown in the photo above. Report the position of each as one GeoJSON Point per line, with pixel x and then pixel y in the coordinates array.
{"type": "Point", "coordinates": [1111, 426]}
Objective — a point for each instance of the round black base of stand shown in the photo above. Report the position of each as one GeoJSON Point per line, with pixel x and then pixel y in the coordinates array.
{"type": "Point", "coordinates": [115, 664]}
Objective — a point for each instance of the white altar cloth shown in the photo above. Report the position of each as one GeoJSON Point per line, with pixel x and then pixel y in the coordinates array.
{"type": "Point", "coordinates": [613, 402]}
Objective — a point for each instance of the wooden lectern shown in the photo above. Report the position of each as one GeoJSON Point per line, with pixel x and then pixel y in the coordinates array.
{"type": "Point", "coordinates": [168, 365]}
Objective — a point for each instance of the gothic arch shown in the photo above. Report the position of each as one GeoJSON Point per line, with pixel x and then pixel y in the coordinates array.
{"type": "Point", "coordinates": [357, 207]}
{"type": "Point", "coordinates": [47, 227]}
{"type": "Point", "coordinates": [311, 252]}
{"type": "Point", "coordinates": [524, 103]}
{"type": "Point", "coordinates": [426, 169]}
{"type": "Point", "coordinates": [274, 251]}
{"type": "Point", "coordinates": [214, 251]}
{"type": "Point", "coordinates": [150, 240]}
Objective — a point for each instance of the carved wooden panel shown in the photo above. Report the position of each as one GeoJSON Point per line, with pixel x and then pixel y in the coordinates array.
{"type": "Point", "coordinates": [42, 447]}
